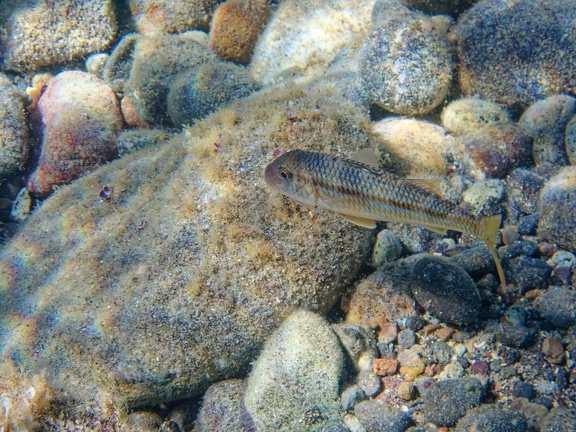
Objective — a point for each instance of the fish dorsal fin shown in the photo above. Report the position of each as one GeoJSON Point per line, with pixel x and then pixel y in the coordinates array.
{"type": "Point", "coordinates": [430, 185]}
{"type": "Point", "coordinates": [363, 222]}
{"type": "Point", "coordinates": [367, 157]}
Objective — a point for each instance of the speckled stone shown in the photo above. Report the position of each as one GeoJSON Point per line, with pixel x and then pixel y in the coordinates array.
{"type": "Point", "coordinates": [387, 248]}
{"type": "Point", "coordinates": [444, 402]}
{"type": "Point", "coordinates": [445, 290]}
{"type": "Point", "coordinates": [558, 306]}
{"type": "Point", "coordinates": [359, 344]}
{"type": "Point", "coordinates": [376, 416]}
{"type": "Point", "coordinates": [489, 418]}
{"type": "Point", "coordinates": [523, 189]}
{"type": "Point", "coordinates": [528, 273]}
{"type": "Point", "coordinates": [514, 335]}
{"type": "Point", "coordinates": [570, 141]}
{"type": "Point", "coordinates": [467, 115]}
{"type": "Point", "coordinates": [559, 420]}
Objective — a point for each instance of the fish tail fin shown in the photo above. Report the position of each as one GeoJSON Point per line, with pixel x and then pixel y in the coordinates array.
{"type": "Point", "coordinates": [489, 228]}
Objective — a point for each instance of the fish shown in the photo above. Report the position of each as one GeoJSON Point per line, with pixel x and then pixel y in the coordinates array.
{"type": "Point", "coordinates": [357, 190]}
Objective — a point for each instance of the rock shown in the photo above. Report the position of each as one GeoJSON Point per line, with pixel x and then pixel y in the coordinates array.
{"type": "Point", "coordinates": [131, 116]}
{"type": "Point", "coordinates": [468, 115]}
{"type": "Point", "coordinates": [130, 141]}
{"type": "Point", "coordinates": [157, 61]}
{"type": "Point", "coordinates": [528, 224]}
{"type": "Point", "coordinates": [496, 32]}
{"type": "Point", "coordinates": [382, 294]}
{"type": "Point", "coordinates": [203, 89]}
{"type": "Point", "coordinates": [351, 396]}
{"type": "Point", "coordinates": [14, 135]}
{"type": "Point", "coordinates": [445, 290]}
{"type": "Point", "coordinates": [495, 150]}
{"type": "Point", "coordinates": [489, 418]}
{"type": "Point", "coordinates": [406, 390]}
{"type": "Point", "coordinates": [545, 122]}
{"type": "Point", "coordinates": [516, 314]}
{"type": "Point", "coordinates": [223, 408]}
{"type": "Point", "coordinates": [80, 119]}
{"type": "Point", "coordinates": [359, 344]}
{"type": "Point", "coordinates": [172, 16]}
{"type": "Point", "coordinates": [570, 141]}
{"type": "Point", "coordinates": [514, 335]}
{"type": "Point", "coordinates": [303, 355]}
{"type": "Point", "coordinates": [163, 281]}
{"type": "Point", "coordinates": [235, 28]}
{"type": "Point", "coordinates": [95, 64]}
{"type": "Point", "coordinates": [524, 390]}
{"type": "Point", "coordinates": [387, 248]}
{"type": "Point", "coordinates": [523, 189]}
{"type": "Point", "coordinates": [369, 383]}
{"type": "Point", "coordinates": [406, 63]}
{"type": "Point", "coordinates": [21, 206]}
{"type": "Point", "coordinates": [416, 146]}
{"type": "Point", "coordinates": [553, 349]}
{"type": "Point", "coordinates": [116, 71]}
{"type": "Point", "coordinates": [477, 261]}
{"type": "Point", "coordinates": [453, 7]}
{"type": "Point", "coordinates": [303, 38]}
{"type": "Point", "coordinates": [558, 306]}
{"type": "Point", "coordinates": [481, 192]}
{"type": "Point", "coordinates": [40, 33]}
{"type": "Point", "coordinates": [557, 208]}
{"type": "Point", "coordinates": [559, 419]}
{"type": "Point", "coordinates": [384, 367]}
{"type": "Point", "coordinates": [445, 402]}
{"type": "Point", "coordinates": [406, 338]}
{"type": "Point", "coordinates": [527, 273]}
{"type": "Point", "coordinates": [376, 416]}
{"type": "Point", "coordinates": [388, 333]}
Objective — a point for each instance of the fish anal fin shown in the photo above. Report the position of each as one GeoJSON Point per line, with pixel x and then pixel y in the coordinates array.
{"type": "Point", "coordinates": [363, 222]}
{"type": "Point", "coordinates": [490, 226]}
{"type": "Point", "coordinates": [430, 185]}
{"type": "Point", "coordinates": [368, 157]}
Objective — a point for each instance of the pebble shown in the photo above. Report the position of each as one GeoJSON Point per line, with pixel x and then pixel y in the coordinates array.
{"type": "Point", "coordinates": [310, 369]}
{"type": "Point", "coordinates": [516, 314]}
{"type": "Point", "coordinates": [95, 63]}
{"type": "Point", "coordinates": [480, 367]}
{"type": "Point", "coordinates": [557, 208]}
{"type": "Point", "coordinates": [558, 306]}
{"type": "Point", "coordinates": [526, 28]}
{"type": "Point", "coordinates": [524, 390]}
{"type": "Point", "coordinates": [559, 420]}
{"type": "Point", "coordinates": [21, 206]}
{"type": "Point", "coordinates": [570, 140]}
{"type": "Point", "coordinates": [388, 333]}
{"type": "Point", "coordinates": [351, 396]}
{"type": "Point", "coordinates": [406, 390]}
{"type": "Point", "coordinates": [519, 249]}
{"type": "Point", "coordinates": [359, 344]}
{"type": "Point", "coordinates": [452, 371]}
{"type": "Point", "coordinates": [444, 402]}
{"type": "Point", "coordinates": [553, 349]}
{"type": "Point", "coordinates": [235, 28]}
{"type": "Point", "coordinates": [441, 352]}
{"type": "Point", "coordinates": [528, 273]}
{"type": "Point", "coordinates": [523, 189]}
{"type": "Point", "coordinates": [467, 115]}
{"type": "Point", "coordinates": [81, 120]}
{"type": "Point", "coordinates": [387, 248]}
{"type": "Point", "coordinates": [369, 383]}
{"type": "Point", "coordinates": [496, 150]}
{"type": "Point", "coordinates": [387, 58]}
{"type": "Point", "coordinates": [445, 290]}
{"type": "Point", "coordinates": [545, 387]}
{"type": "Point", "coordinates": [528, 224]}
{"type": "Point", "coordinates": [489, 418]}
{"type": "Point", "coordinates": [223, 408]}
{"type": "Point", "coordinates": [376, 416]}
{"type": "Point", "coordinates": [117, 68]}
{"type": "Point", "coordinates": [545, 122]}
{"type": "Point", "coordinates": [514, 335]}
{"type": "Point", "coordinates": [384, 367]}
{"type": "Point", "coordinates": [482, 191]}
{"type": "Point", "coordinates": [406, 338]}
{"type": "Point", "coordinates": [14, 134]}
{"type": "Point", "coordinates": [415, 323]}
{"type": "Point", "coordinates": [476, 261]}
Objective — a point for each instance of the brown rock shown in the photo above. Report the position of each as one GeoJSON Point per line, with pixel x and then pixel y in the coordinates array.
{"type": "Point", "coordinates": [553, 349]}
{"type": "Point", "coordinates": [388, 333]}
{"type": "Point", "coordinates": [384, 367]}
{"type": "Point", "coordinates": [406, 390]}
{"type": "Point", "coordinates": [235, 28]}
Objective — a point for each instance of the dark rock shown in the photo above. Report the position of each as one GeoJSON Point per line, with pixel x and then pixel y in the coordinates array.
{"type": "Point", "coordinates": [445, 290]}
{"type": "Point", "coordinates": [559, 420]}
{"type": "Point", "coordinates": [521, 248]}
{"type": "Point", "coordinates": [442, 352]}
{"type": "Point", "coordinates": [558, 306]}
{"type": "Point", "coordinates": [524, 389]}
{"type": "Point", "coordinates": [444, 402]}
{"type": "Point", "coordinates": [477, 261]}
{"type": "Point", "coordinates": [513, 335]}
{"type": "Point", "coordinates": [528, 224]}
{"type": "Point", "coordinates": [528, 273]}
{"type": "Point", "coordinates": [523, 189]}
{"type": "Point", "coordinates": [376, 417]}
{"type": "Point", "coordinates": [489, 418]}
{"type": "Point", "coordinates": [543, 400]}
{"type": "Point", "coordinates": [415, 323]}
{"type": "Point", "coordinates": [510, 356]}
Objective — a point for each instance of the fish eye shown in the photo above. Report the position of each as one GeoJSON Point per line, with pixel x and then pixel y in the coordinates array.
{"type": "Point", "coordinates": [285, 174]}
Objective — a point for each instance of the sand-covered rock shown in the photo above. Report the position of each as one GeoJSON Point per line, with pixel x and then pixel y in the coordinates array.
{"type": "Point", "coordinates": [164, 271]}
{"type": "Point", "coordinates": [466, 115]}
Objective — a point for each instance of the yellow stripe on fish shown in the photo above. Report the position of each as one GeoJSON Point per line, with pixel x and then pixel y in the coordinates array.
{"type": "Point", "coordinates": [363, 195]}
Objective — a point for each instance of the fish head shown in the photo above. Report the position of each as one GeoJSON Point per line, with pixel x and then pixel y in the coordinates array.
{"type": "Point", "coordinates": [287, 174]}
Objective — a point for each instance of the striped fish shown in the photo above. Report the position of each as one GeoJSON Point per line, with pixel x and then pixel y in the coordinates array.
{"type": "Point", "coordinates": [363, 194]}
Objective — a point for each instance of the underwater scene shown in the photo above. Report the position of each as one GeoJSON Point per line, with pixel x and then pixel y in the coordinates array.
{"type": "Point", "coordinates": [288, 215]}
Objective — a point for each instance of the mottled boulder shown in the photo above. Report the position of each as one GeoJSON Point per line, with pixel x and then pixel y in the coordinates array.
{"type": "Point", "coordinates": [175, 279]}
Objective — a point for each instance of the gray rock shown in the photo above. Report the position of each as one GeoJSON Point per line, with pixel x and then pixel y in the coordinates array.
{"type": "Point", "coordinates": [294, 384]}
{"type": "Point", "coordinates": [523, 189]}
{"type": "Point", "coordinates": [516, 314]}
{"type": "Point", "coordinates": [387, 60]}
{"type": "Point", "coordinates": [545, 121]}
{"type": "Point", "coordinates": [369, 383]}
{"type": "Point", "coordinates": [445, 290]}
{"type": "Point", "coordinates": [351, 396]}
{"type": "Point", "coordinates": [524, 390]}
{"type": "Point", "coordinates": [559, 420]}
{"type": "Point", "coordinates": [406, 338]}
{"type": "Point", "coordinates": [528, 224]}
{"type": "Point", "coordinates": [476, 261]}
{"type": "Point", "coordinates": [359, 344]}
{"type": "Point", "coordinates": [223, 408]}
{"type": "Point", "coordinates": [558, 306]}
{"type": "Point", "coordinates": [490, 418]}
{"type": "Point", "coordinates": [378, 417]}
{"type": "Point", "coordinates": [557, 208]}
{"type": "Point", "coordinates": [388, 248]}
{"type": "Point", "coordinates": [527, 273]}
{"type": "Point", "coordinates": [496, 31]}
{"type": "Point", "coordinates": [444, 402]}
{"type": "Point", "coordinates": [514, 335]}
{"type": "Point", "coordinates": [570, 141]}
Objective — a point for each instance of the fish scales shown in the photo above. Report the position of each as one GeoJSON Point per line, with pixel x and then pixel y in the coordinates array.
{"type": "Point", "coordinates": [363, 195]}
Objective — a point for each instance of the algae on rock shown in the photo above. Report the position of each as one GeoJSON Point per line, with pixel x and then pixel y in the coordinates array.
{"type": "Point", "coordinates": [175, 281]}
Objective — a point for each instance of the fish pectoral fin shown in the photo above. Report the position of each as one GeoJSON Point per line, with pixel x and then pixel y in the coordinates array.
{"type": "Point", "coordinates": [367, 157]}
{"type": "Point", "coordinates": [363, 222]}
{"type": "Point", "coordinates": [435, 229]}
{"type": "Point", "coordinates": [430, 185]}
